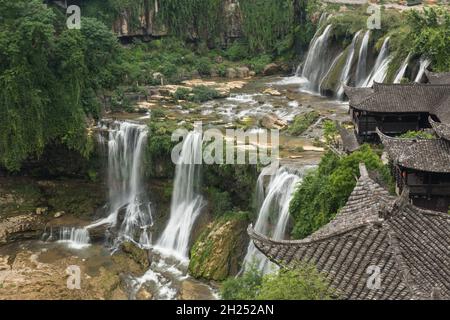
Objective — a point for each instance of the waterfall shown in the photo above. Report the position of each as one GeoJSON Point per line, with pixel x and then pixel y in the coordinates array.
{"type": "Point", "coordinates": [361, 69]}
{"type": "Point", "coordinates": [187, 202]}
{"type": "Point", "coordinates": [127, 200]}
{"type": "Point", "coordinates": [424, 63]}
{"type": "Point", "coordinates": [343, 79]}
{"type": "Point", "coordinates": [318, 60]}
{"type": "Point", "coordinates": [379, 71]}
{"type": "Point", "coordinates": [273, 213]}
{"type": "Point", "coordinates": [77, 238]}
{"type": "Point", "coordinates": [402, 70]}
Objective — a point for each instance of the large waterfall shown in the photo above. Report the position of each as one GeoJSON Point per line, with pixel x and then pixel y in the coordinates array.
{"type": "Point", "coordinates": [381, 66]}
{"type": "Point", "coordinates": [361, 69]}
{"type": "Point", "coordinates": [273, 213]}
{"type": "Point", "coordinates": [318, 60]}
{"type": "Point", "coordinates": [345, 74]}
{"type": "Point", "coordinates": [424, 63]}
{"type": "Point", "coordinates": [187, 202]}
{"type": "Point", "coordinates": [127, 199]}
{"type": "Point", "coordinates": [401, 72]}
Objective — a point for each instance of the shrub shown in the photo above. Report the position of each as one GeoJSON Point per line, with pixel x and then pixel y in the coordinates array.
{"type": "Point", "coordinates": [303, 122]}
{"type": "Point", "coordinates": [325, 191]}
{"type": "Point", "coordinates": [245, 287]}
{"type": "Point", "coordinates": [301, 283]}
{"type": "Point", "coordinates": [203, 93]}
{"type": "Point", "coordinates": [417, 135]}
{"type": "Point", "coordinates": [181, 94]}
{"type": "Point", "coordinates": [203, 66]}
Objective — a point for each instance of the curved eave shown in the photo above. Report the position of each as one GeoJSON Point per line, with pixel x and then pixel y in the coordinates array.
{"type": "Point", "coordinates": [442, 130]}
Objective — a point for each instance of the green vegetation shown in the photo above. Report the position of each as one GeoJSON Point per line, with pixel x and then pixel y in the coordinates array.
{"type": "Point", "coordinates": [301, 283]}
{"type": "Point", "coordinates": [418, 135]}
{"type": "Point", "coordinates": [325, 191]}
{"type": "Point", "coordinates": [303, 122]}
{"type": "Point", "coordinates": [159, 148]}
{"type": "Point", "coordinates": [49, 78]}
{"type": "Point", "coordinates": [220, 249]}
{"type": "Point", "coordinates": [225, 182]}
{"type": "Point", "coordinates": [430, 36]}
{"type": "Point", "coordinates": [198, 94]}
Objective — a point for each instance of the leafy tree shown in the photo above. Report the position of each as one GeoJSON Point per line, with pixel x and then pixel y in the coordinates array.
{"type": "Point", "coordinates": [49, 78]}
{"type": "Point", "coordinates": [325, 191]}
{"type": "Point", "coordinates": [430, 36]}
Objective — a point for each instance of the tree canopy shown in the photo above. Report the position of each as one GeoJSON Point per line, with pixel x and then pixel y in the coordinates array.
{"type": "Point", "coordinates": [48, 79]}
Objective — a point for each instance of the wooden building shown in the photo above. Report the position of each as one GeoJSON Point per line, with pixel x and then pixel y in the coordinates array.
{"type": "Point", "coordinates": [375, 231]}
{"type": "Point", "coordinates": [397, 108]}
{"type": "Point", "coordinates": [422, 166]}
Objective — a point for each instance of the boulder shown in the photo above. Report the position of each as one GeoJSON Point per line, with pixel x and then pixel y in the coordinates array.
{"type": "Point", "coordinates": [271, 121]}
{"type": "Point", "coordinates": [140, 256]}
{"type": "Point", "coordinates": [193, 290]}
{"type": "Point", "coordinates": [271, 69]}
{"type": "Point", "coordinates": [220, 249]}
{"type": "Point", "coordinates": [59, 214]}
{"type": "Point", "coordinates": [231, 73]}
{"type": "Point", "coordinates": [242, 72]}
{"type": "Point", "coordinates": [272, 92]}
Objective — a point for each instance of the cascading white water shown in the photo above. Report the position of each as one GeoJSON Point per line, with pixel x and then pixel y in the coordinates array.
{"type": "Point", "coordinates": [379, 71]}
{"type": "Point", "coordinates": [187, 202]}
{"type": "Point", "coordinates": [76, 238]}
{"type": "Point", "coordinates": [318, 59]}
{"type": "Point", "coordinates": [424, 64]}
{"type": "Point", "coordinates": [273, 213]}
{"type": "Point", "coordinates": [361, 69]}
{"type": "Point", "coordinates": [344, 78]}
{"type": "Point", "coordinates": [126, 145]}
{"type": "Point", "coordinates": [401, 72]}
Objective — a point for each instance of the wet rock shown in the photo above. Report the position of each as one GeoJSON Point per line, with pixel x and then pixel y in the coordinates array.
{"type": "Point", "coordinates": [41, 211]}
{"type": "Point", "coordinates": [59, 214]}
{"type": "Point", "coordinates": [144, 294]}
{"type": "Point", "coordinates": [271, 121]}
{"type": "Point", "coordinates": [20, 227]}
{"type": "Point", "coordinates": [271, 69]}
{"type": "Point", "coordinates": [252, 74]}
{"type": "Point", "coordinates": [193, 290]}
{"type": "Point", "coordinates": [140, 256]}
{"type": "Point", "coordinates": [272, 92]}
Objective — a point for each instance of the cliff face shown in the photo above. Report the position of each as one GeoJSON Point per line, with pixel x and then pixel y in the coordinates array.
{"type": "Point", "coordinates": [148, 26]}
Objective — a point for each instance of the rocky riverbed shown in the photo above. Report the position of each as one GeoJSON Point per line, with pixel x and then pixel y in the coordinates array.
{"type": "Point", "coordinates": [34, 266]}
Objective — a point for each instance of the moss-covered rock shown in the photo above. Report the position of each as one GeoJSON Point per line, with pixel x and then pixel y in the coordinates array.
{"type": "Point", "coordinates": [331, 82]}
{"type": "Point", "coordinates": [77, 197]}
{"type": "Point", "coordinates": [220, 249]}
{"type": "Point", "coordinates": [138, 255]}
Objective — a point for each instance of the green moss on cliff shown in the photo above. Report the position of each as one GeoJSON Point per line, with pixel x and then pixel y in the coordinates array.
{"type": "Point", "coordinates": [219, 250]}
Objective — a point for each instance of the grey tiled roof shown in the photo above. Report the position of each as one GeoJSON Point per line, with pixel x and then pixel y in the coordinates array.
{"type": "Point", "coordinates": [410, 246]}
{"type": "Point", "coordinates": [441, 129]}
{"type": "Point", "coordinates": [431, 155]}
{"type": "Point", "coordinates": [404, 98]}
{"type": "Point", "coordinates": [438, 78]}
{"type": "Point", "coordinates": [357, 95]}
